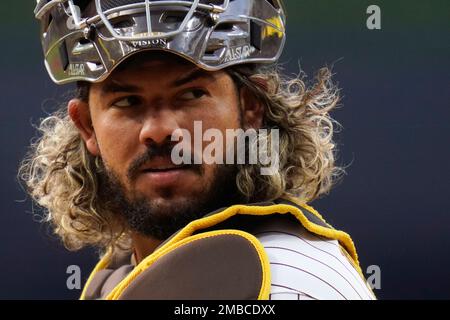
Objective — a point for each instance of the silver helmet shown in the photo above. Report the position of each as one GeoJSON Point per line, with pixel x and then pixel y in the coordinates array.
{"type": "Point", "coordinates": [84, 40]}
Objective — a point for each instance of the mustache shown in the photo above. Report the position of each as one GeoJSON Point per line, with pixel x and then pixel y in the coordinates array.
{"type": "Point", "coordinates": [158, 151]}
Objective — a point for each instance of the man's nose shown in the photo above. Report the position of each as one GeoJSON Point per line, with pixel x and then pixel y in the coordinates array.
{"type": "Point", "coordinates": [158, 127]}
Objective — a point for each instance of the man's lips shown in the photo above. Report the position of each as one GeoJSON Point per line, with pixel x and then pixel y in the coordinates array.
{"type": "Point", "coordinates": [165, 176]}
{"type": "Point", "coordinates": [164, 168]}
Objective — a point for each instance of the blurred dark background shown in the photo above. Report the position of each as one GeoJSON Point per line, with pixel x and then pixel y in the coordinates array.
{"type": "Point", "coordinates": [395, 199]}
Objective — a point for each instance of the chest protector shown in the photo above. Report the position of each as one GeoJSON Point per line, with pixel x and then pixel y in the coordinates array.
{"type": "Point", "coordinates": [215, 257]}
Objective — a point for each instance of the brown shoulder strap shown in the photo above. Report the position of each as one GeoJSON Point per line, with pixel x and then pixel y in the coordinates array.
{"type": "Point", "coordinates": [219, 266]}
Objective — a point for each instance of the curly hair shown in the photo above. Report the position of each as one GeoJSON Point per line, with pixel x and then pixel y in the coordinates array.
{"type": "Point", "coordinates": [61, 175]}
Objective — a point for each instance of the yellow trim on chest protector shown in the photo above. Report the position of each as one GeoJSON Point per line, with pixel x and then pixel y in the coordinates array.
{"type": "Point", "coordinates": [186, 235]}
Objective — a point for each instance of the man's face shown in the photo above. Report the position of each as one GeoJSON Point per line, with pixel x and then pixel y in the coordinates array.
{"type": "Point", "coordinates": [134, 114]}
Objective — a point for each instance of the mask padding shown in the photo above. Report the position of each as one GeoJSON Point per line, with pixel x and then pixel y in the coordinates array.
{"type": "Point", "coordinates": [82, 4]}
{"type": "Point", "coordinates": [64, 56]}
{"type": "Point", "coordinates": [274, 3]}
{"type": "Point", "coordinates": [109, 4]}
{"type": "Point", "coordinates": [255, 35]}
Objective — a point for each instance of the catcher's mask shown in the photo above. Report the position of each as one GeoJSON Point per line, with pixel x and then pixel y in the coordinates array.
{"type": "Point", "coordinates": [84, 40]}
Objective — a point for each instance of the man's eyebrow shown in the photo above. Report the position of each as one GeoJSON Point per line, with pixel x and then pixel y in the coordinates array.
{"type": "Point", "coordinates": [114, 86]}
{"type": "Point", "coordinates": [193, 75]}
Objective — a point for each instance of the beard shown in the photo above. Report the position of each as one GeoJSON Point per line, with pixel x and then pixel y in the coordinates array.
{"type": "Point", "coordinates": [160, 219]}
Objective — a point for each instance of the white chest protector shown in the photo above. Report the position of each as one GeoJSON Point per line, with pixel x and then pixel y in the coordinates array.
{"type": "Point", "coordinates": [214, 257]}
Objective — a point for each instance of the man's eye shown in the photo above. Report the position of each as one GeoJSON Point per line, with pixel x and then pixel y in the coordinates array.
{"type": "Point", "coordinates": [126, 102]}
{"type": "Point", "coordinates": [192, 94]}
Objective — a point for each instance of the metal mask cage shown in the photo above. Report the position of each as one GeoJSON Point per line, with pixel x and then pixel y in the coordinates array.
{"type": "Point", "coordinates": [85, 40]}
{"type": "Point", "coordinates": [105, 14]}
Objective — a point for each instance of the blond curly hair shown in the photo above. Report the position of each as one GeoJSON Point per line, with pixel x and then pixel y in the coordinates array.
{"type": "Point", "coordinates": [61, 175]}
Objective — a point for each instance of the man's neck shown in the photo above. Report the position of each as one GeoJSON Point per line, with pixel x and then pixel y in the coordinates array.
{"type": "Point", "coordinates": [143, 246]}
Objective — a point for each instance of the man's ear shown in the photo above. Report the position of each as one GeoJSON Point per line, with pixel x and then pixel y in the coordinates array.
{"type": "Point", "coordinates": [252, 109]}
{"type": "Point", "coordinates": [78, 111]}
